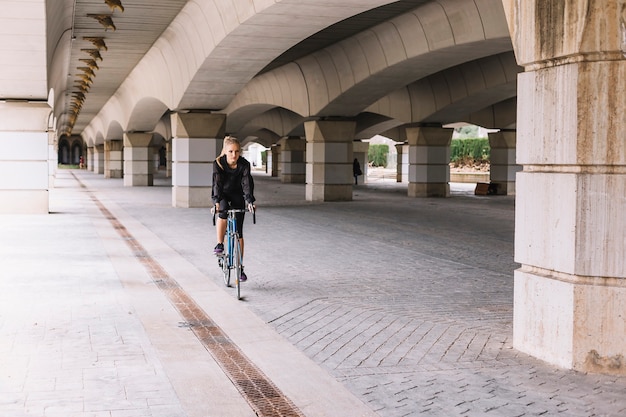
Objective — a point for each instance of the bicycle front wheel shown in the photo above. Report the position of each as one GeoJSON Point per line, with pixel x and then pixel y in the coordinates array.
{"type": "Point", "coordinates": [226, 269]}
{"type": "Point", "coordinates": [237, 266]}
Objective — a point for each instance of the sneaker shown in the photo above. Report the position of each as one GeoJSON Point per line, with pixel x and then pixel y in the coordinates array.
{"type": "Point", "coordinates": [243, 276]}
{"type": "Point", "coordinates": [219, 249]}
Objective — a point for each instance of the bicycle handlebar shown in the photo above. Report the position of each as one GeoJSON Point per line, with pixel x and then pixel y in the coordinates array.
{"type": "Point", "coordinates": [234, 211]}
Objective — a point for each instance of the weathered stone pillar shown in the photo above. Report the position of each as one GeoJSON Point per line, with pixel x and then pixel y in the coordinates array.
{"type": "Point", "coordinates": [197, 142]}
{"type": "Point", "coordinates": [113, 159]}
{"type": "Point", "coordinates": [570, 292]}
{"type": "Point", "coordinates": [292, 159]}
{"type": "Point", "coordinates": [503, 167]}
{"type": "Point", "coordinates": [98, 159]}
{"type": "Point", "coordinates": [138, 159]}
{"type": "Point", "coordinates": [429, 161]}
{"type": "Point", "coordinates": [402, 173]}
{"type": "Point", "coordinates": [359, 151]}
{"type": "Point", "coordinates": [24, 175]}
{"type": "Point", "coordinates": [329, 160]}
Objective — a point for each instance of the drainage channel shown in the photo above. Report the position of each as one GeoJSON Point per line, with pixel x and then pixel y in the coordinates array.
{"type": "Point", "coordinates": [263, 396]}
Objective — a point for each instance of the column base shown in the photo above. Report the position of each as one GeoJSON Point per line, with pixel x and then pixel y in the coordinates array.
{"type": "Point", "coordinates": [574, 325]}
{"type": "Point", "coordinates": [504, 188]}
{"type": "Point", "coordinates": [293, 178]}
{"type": "Point", "coordinates": [428, 189]}
{"type": "Point", "coordinates": [191, 197]}
{"type": "Point", "coordinates": [114, 173]}
{"type": "Point", "coordinates": [327, 192]}
{"type": "Point", "coordinates": [24, 202]}
{"type": "Point", "coordinates": [138, 180]}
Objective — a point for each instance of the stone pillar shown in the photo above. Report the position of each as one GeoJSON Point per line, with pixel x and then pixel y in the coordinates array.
{"type": "Point", "coordinates": [197, 142]}
{"type": "Point", "coordinates": [90, 158]}
{"type": "Point", "coordinates": [24, 174]}
{"type": "Point", "coordinates": [570, 292]}
{"type": "Point", "coordinates": [292, 160]}
{"type": "Point", "coordinates": [503, 167]}
{"type": "Point", "coordinates": [138, 159]}
{"type": "Point", "coordinates": [98, 159]}
{"type": "Point", "coordinates": [329, 158]}
{"type": "Point", "coordinates": [273, 158]}
{"type": "Point", "coordinates": [402, 163]}
{"type": "Point", "coordinates": [53, 156]}
{"type": "Point", "coordinates": [168, 159]}
{"type": "Point", "coordinates": [359, 151]}
{"type": "Point", "coordinates": [113, 159]}
{"type": "Point", "coordinates": [429, 161]}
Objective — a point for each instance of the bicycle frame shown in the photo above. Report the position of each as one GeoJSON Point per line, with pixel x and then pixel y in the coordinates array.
{"type": "Point", "coordinates": [231, 259]}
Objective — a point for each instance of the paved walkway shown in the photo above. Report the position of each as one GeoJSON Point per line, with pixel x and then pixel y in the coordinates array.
{"type": "Point", "coordinates": [113, 306]}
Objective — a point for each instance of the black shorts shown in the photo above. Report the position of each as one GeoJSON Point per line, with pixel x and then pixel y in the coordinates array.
{"type": "Point", "coordinates": [233, 203]}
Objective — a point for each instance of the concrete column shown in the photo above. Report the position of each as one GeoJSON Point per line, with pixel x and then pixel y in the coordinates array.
{"type": "Point", "coordinates": [292, 160]}
{"type": "Point", "coordinates": [429, 161]}
{"type": "Point", "coordinates": [113, 159]}
{"type": "Point", "coordinates": [138, 169]}
{"type": "Point", "coordinates": [53, 156]}
{"type": "Point", "coordinates": [98, 159]}
{"type": "Point", "coordinates": [329, 150]}
{"type": "Point", "coordinates": [90, 158]}
{"type": "Point", "coordinates": [24, 174]}
{"type": "Point", "coordinates": [570, 292]}
{"type": "Point", "coordinates": [402, 163]}
{"type": "Point", "coordinates": [359, 151]}
{"type": "Point", "coordinates": [197, 142]}
{"type": "Point", "coordinates": [168, 159]}
{"type": "Point", "coordinates": [273, 160]}
{"type": "Point", "coordinates": [503, 167]}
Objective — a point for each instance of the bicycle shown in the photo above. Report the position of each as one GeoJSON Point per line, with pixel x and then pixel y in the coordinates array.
{"type": "Point", "coordinates": [231, 258]}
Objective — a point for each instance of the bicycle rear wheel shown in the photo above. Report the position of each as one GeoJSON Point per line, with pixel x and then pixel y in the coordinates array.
{"type": "Point", "coordinates": [237, 266]}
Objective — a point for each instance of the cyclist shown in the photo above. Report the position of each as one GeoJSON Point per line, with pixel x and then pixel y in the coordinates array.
{"type": "Point", "coordinates": [233, 188]}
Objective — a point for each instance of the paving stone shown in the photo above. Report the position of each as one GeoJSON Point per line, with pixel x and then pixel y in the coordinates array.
{"type": "Point", "coordinates": [407, 302]}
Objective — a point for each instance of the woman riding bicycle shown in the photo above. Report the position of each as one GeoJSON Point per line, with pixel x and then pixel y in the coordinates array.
{"type": "Point", "coordinates": [233, 188]}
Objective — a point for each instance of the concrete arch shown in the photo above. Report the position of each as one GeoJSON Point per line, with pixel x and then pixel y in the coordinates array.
{"type": "Point", "coordinates": [502, 115]}
{"type": "Point", "coordinates": [114, 131]}
{"type": "Point", "coordinates": [347, 77]}
{"type": "Point", "coordinates": [145, 115]}
{"type": "Point", "coordinates": [164, 127]}
{"type": "Point", "coordinates": [371, 124]}
{"type": "Point", "coordinates": [281, 122]}
{"type": "Point", "coordinates": [94, 134]}
{"type": "Point", "coordinates": [284, 88]}
{"type": "Point", "coordinates": [454, 93]}
{"type": "Point", "coordinates": [263, 136]}
{"type": "Point", "coordinates": [207, 37]}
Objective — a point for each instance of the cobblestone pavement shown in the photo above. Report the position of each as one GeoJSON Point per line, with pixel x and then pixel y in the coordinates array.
{"type": "Point", "coordinates": [408, 302]}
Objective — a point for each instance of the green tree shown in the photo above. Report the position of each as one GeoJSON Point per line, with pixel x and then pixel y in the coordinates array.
{"type": "Point", "coordinates": [377, 155]}
{"type": "Point", "coordinates": [469, 150]}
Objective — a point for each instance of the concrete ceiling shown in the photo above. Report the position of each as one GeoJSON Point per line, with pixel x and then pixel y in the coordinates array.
{"type": "Point", "coordinates": [137, 27]}
{"type": "Point", "coordinates": [83, 50]}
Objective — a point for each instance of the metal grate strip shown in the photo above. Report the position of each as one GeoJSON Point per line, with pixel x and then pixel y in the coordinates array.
{"type": "Point", "coordinates": [262, 395]}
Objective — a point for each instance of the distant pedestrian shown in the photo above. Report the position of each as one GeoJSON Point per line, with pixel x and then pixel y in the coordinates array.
{"type": "Point", "coordinates": [356, 170]}
{"type": "Point", "coordinates": [81, 163]}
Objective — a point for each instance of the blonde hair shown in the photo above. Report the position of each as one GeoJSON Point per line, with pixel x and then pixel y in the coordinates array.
{"type": "Point", "coordinates": [228, 140]}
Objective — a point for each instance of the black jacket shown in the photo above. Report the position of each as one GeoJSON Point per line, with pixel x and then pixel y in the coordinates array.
{"type": "Point", "coordinates": [228, 182]}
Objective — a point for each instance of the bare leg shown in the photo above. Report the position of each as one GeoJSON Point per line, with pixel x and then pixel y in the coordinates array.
{"type": "Point", "coordinates": [220, 227]}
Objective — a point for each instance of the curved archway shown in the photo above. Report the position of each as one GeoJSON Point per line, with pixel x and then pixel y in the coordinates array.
{"type": "Point", "coordinates": [347, 77]}
{"type": "Point", "coordinates": [64, 151]}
